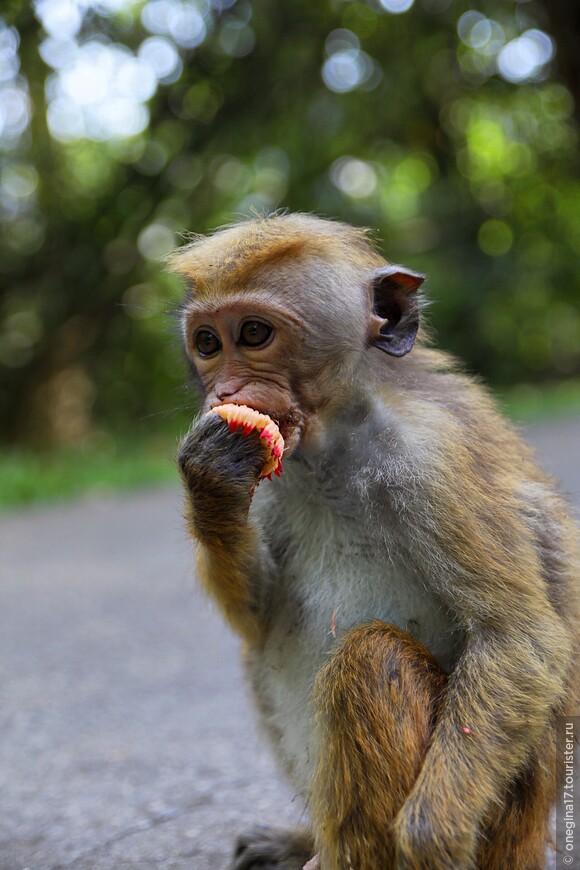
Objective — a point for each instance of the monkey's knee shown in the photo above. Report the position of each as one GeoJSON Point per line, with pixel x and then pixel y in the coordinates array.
{"type": "Point", "coordinates": [376, 701]}
{"type": "Point", "coordinates": [380, 688]}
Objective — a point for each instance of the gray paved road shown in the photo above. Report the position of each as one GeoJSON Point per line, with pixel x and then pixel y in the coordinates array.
{"type": "Point", "coordinates": [127, 740]}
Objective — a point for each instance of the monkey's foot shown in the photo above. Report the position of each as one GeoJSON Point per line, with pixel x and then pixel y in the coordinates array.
{"type": "Point", "coordinates": [263, 848]}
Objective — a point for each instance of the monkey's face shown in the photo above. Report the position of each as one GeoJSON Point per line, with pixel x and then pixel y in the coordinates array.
{"type": "Point", "coordinates": [291, 341]}
{"type": "Point", "coordinates": [251, 352]}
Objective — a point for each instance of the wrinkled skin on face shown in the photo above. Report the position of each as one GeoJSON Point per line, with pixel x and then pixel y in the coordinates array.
{"type": "Point", "coordinates": [244, 354]}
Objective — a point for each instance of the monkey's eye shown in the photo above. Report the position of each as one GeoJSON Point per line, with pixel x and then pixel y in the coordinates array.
{"type": "Point", "coordinates": [255, 333]}
{"type": "Point", "coordinates": [207, 342]}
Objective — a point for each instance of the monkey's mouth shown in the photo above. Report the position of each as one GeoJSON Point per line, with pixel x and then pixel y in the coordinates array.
{"type": "Point", "coordinates": [290, 423]}
{"type": "Point", "coordinates": [290, 427]}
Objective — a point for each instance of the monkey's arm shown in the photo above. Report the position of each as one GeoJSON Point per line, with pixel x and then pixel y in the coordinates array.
{"type": "Point", "coordinates": [505, 686]}
{"type": "Point", "coordinates": [219, 469]}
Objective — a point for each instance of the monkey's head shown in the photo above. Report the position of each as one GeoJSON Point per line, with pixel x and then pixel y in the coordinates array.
{"type": "Point", "coordinates": [282, 313]}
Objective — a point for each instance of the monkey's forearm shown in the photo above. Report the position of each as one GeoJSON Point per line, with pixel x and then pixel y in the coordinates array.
{"type": "Point", "coordinates": [232, 574]}
{"type": "Point", "coordinates": [230, 560]}
{"type": "Point", "coordinates": [219, 470]}
{"type": "Point", "coordinates": [496, 709]}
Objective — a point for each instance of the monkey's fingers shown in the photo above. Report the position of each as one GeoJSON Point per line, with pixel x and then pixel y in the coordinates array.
{"type": "Point", "coordinates": [313, 864]}
{"type": "Point", "coordinates": [241, 418]}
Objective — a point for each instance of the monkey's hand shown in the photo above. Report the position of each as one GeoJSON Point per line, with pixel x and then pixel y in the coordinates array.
{"type": "Point", "coordinates": [428, 840]}
{"type": "Point", "coordinates": [219, 469]}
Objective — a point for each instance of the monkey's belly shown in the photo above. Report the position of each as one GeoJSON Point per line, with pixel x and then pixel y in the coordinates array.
{"type": "Point", "coordinates": [322, 607]}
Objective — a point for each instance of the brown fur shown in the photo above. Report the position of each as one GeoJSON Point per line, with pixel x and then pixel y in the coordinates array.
{"type": "Point", "coordinates": [231, 256]}
{"type": "Point", "coordinates": [378, 699]}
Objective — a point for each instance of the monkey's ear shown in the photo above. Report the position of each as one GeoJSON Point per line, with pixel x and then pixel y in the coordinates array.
{"type": "Point", "coordinates": [394, 322]}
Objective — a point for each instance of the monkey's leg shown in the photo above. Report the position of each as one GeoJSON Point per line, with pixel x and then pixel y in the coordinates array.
{"type": "Point", "coordinates": [263, 848]}
{"type": "Point", "coordinates": [377, 699]}
{"type": "Point", "coordinates": [516, 837]}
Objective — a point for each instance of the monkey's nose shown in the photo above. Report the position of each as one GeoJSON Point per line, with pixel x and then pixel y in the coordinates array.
{"type": "Point", "coordinates": [228, 389]}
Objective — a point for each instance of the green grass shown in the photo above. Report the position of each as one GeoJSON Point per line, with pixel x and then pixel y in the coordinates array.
{"type": "Point", "coordinates": [27, 477]}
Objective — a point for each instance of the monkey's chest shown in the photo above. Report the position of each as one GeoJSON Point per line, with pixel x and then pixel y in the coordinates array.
{"type": "Point", "coordinates": [330, 582]}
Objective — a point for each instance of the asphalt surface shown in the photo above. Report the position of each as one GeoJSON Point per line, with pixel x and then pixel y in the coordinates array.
{"type": "Point", "coordinates": [127, 738]}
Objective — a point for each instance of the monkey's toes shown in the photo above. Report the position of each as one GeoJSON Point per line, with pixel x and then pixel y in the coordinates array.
{"type": "Point", "coordinates": [265, 848]}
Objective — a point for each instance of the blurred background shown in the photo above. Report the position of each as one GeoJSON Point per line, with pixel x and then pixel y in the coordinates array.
{"type": "Point", "coordinates": [449, 126]}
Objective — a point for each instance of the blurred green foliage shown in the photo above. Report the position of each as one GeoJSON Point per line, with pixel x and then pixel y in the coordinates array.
{"type": "Point", "coordinates": [447, 126]}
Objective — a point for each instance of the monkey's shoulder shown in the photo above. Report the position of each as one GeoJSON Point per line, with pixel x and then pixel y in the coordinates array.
{"type": "Point", "coordinates": [448, 429]}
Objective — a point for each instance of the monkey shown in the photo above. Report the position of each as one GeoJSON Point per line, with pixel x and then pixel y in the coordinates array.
{"type": "Point", "coordinates": [407, 591]}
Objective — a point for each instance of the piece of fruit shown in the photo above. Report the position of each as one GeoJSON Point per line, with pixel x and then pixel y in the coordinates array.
{"type": "Point", "coordinates": [241, 418]}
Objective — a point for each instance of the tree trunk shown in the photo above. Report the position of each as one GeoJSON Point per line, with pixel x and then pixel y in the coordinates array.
{"type": "Point", "coordinates": [563, 17]}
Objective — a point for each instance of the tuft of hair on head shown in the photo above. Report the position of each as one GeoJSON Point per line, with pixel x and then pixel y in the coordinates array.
{"type": "Point", "coordinates": [235, 252]}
